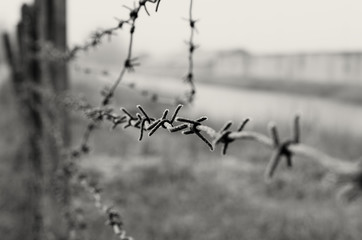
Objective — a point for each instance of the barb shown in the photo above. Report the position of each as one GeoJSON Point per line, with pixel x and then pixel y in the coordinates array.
{"type": "Point", "coordinates": [223, 136]}
{"type": "Point", "coordinates": [282, 149]}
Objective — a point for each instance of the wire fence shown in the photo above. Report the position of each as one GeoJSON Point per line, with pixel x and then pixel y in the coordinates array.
{"type": "Point", "coordinates": [348, 172]}
{"type": "Point", "coordinates": [97, 114]}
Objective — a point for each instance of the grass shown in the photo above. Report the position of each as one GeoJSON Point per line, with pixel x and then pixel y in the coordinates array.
{"type": "Point", "coordinates": [173, 187]}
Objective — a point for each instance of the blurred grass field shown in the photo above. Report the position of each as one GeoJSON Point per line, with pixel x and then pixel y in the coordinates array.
{"type": "Point", "coordinates": [173, 187]}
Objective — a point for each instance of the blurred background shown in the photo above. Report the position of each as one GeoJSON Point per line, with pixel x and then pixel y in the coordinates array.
{"type": "Point", "coordinates": [264, 60]}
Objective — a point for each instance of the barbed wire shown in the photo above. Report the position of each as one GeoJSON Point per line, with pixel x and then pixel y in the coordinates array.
{"type": "Point", "coordinates": [348, 172]}
{"type": "Point", "coordinates": [189, 78]}
{"type": "Point", "coordinates": [113, 216]}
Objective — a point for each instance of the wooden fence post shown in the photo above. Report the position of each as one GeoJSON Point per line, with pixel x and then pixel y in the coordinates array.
{"type": "Point", "coordinates": [47, 123]}
{"type": "Point", "coordinates": [30, 76]}
{"type": "Point", "coordinates": [51, 29]}
{"type": "Point", "coordinates": [24, 71]}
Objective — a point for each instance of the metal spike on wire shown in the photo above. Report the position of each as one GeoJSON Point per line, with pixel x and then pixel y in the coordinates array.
{"type": "Point", "coordinates": [223, 136]}
{"type": "Point", "coordinates": [164, 122]}
{"type": "Point", "coordinates": [193, 129]}
{"type": "Point", "coordinates": [282, 148]}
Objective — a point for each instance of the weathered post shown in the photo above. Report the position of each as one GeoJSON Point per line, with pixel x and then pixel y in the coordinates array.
{"type": "Point", "coordinates": [46, 122]}
{"type": "Point", "coordinates": [30, 75]}
{"type": "Point", "coordinates": [25, 72]}
{"type": "Point", "coordinates": [51, 29]}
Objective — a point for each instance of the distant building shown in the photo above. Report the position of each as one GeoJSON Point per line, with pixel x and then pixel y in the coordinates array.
{"type": "Point", "coordinates": [326, 67]}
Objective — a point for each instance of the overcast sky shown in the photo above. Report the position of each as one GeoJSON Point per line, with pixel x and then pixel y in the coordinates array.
{"type": "Point", "coordinates": [256, 25]}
